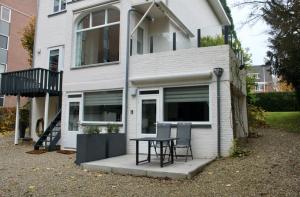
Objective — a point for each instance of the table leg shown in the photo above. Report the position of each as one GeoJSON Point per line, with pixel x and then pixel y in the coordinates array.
{"type": "Point", "coordinates": [161, 154]}
{"type": "Point", "coordinates": [149, 151]}
{"type": "Point", "coordinates": [172, 151]}
{"type": "Point", "coordinates": [137, 152]}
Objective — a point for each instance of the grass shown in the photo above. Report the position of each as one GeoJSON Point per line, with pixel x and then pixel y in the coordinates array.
{"type": "Point", "coordinates": [289, 121]}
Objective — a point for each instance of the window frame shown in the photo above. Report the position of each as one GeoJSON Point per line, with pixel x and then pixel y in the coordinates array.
{"type": "Point", "coordinates": [7, 42]}
{"type": "Point", "coordinates": [3, 96]}
{"type": "Point", "coordinates": [162, 92]}
{"type": "Point", "coordinates": [9, 17]}
{"type": "Point", "coordinates": [61, 57]}
{"type": "Point", "coordinates": [106, 24]}
{"type": "Point", "coordinates": [83, 122]}
{"type": "Point", "coordinates": [59, 6]}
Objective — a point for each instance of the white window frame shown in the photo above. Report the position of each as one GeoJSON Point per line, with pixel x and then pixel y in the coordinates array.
{"type": "Point", "coordinates": [9, 18]}
{"type": "Point", "coordinates": [61, 57]}
{"type": "Point", "coordinates": [7, 42]}
{"type": "Point", "coordinates": [59, 6]}
{"type": "Point", "coordinates": [106, 24]}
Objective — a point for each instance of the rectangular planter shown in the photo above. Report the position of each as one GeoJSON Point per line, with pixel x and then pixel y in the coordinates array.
{"type": "Point", "coordinates": [91, 147]}
{"type": "Point", "coordinates": [116, 144]}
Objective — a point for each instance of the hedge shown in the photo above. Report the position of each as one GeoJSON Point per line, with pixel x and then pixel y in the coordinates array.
{"type": "Point", "coordinates": [277, 101]}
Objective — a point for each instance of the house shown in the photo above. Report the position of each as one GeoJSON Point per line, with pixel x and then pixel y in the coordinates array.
{"type": "Point", "coordinates": [14, 16]}
{"type": "Point", "coordinates": [264, 81]}
{"type": "Point", "coordinates": [133, 63]}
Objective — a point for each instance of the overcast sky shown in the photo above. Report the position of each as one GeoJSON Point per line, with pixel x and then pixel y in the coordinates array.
{"type": "Point", "coordinates": [253, 37]}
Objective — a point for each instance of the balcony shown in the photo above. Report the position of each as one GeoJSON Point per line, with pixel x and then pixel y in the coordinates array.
{"type": "Point", "coordinates": [35, 82]}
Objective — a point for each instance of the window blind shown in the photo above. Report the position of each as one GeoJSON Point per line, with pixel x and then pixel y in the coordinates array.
{"type": "Point", "coordinates": [186, 94]}
{"type": "Point", "coordinates": [103, 98]}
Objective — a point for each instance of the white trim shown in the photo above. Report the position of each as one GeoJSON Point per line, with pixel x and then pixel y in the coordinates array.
{"type": "Point", "coordinates": [1, 17]}
{"type": "Point", "coordinates": [59, 6]}
{"type": "Point", "coordinates": [60, 49]}
{"type": "Point", "coordinates": [7, 42]}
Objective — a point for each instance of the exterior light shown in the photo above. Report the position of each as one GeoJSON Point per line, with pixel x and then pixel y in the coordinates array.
{"type": "Point", "coordinates": [218, 72]}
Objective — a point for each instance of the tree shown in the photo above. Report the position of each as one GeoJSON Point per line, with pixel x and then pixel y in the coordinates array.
{"type": "Point", "coordinates": [283, 17]}
{"type": "Point", "coordinates": [27, 39]}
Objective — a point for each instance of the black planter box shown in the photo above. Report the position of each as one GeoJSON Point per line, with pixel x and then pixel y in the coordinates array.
{"type": "Point", "coordinates": [116, 144]}
{"type": "Point", "coordinates": [90, 147]}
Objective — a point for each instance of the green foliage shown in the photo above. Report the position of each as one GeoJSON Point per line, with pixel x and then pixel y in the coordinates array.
{"type": "Point", "coordinates": [288, 121]}
{"type": "Point", "coordinates": [27, 39]}
{"type": "Point", "coordinates": [7, 119]}
{"type": "Point", "coordinates": [236, 150]}
{"type": "Point", "coordinates": [208, 41]}
{"type": "Point", "coordinates": [256, 117]}
{"type": "Point", "coordinates": [92, 130]}
{"type": "Point", "coordinates": [113, 128]}
{"type": "Point", "coordinates": [277, 101]}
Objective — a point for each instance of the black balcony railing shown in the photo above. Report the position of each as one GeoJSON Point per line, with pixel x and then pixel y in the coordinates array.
{"type": "Point", "coordinates": [32, 83]}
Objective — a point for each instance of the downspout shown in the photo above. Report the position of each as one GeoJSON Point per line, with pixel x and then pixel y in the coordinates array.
{"type": "Point", "coordinates": [219, 72]}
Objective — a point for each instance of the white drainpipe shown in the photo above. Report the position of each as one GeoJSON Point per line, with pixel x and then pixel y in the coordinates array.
{"type": "Point", "coordinates": [17, 121]}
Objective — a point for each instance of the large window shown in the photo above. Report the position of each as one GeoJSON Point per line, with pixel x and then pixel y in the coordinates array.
{"type": "Point", "coordinates": [98, 38]}
{"type": "Point", "coordinates": [186, 104]}
{"type": "Point", "coordinates": [5, 14]}
{"type": "Point", "coordinates": [103, 106]}
{"type": "Point", "coordinates": [59, 5]}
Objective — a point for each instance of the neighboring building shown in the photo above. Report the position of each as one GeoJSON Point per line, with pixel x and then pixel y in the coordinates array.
{"type": "Point", "coordinates": [14, 16]}
{"type": "Point", "coordinates": [160, 74]}
{"type": "Point", "coordinates": [264, 81]}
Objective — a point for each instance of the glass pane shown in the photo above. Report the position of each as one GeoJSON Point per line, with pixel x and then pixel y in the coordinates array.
{"type": "Point", "coordinates": [108, 113]}
{"type": "Point", "coordinates": [54, 60]}
{"type": "Point", "coordinates": [74, 116]}
{"type": "Point", "coordinates": [84, 23]}
{"type": "Point", "coordinates": [113, 16]}
{"type": "Point", "coordinates": [98, 18]}
{"type": "Point", "coordinates": [5, 15]}
{"type": "Point", "coordinates": [140, 41]}
{"type": "Point", "coordinates": [148, 116]}
{"type": "Point", "coordinates": [98, 46]}
{"type": "Point", "coordinates": [3, 42]}
{"type": "Point", "coordinates": [56, 5]}
{"type": "Point", "coordinates": [63, 5]}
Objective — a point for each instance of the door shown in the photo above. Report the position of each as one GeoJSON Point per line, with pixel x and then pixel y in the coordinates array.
{"type": "Point", "coordinates": [148, 116]}
{"type": "Point", "coordinates": [56, 58]}
{"type": "Point", "coordinates": [72, 122]}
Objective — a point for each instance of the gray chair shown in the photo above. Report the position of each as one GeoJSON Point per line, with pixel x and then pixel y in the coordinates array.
{"type": "Point", "coordinates": [163, 131]}
{"type": "Point", "coordinates": [184, 139]}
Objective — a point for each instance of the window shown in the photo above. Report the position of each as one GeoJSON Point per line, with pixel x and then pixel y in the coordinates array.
{"type": "Point", "coordinates": [140, 41]}
{"type": "Point", "coordinates": [3, 42]}
{"type": "Point", "coordinates": [186, 104]}
{"type": "Point", "coordinates": [2, 70]}
{"type": "Point", "coordinates": [98, 38]}
{"type": "Point", "coordinates": [5, 14]}
{"type": "Point", "coordinates": [53, 60]}
{"type": "Point", "coordinates": [73, 116]}
{"type": "Point", "coordinates": [103, 106]}
{"type": "Point", "coordinates": [59, 5]}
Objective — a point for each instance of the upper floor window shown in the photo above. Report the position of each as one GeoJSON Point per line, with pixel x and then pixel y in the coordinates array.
{"type": "Point", "coordinates": [5, 14]}
{"type": "Point", "coordinates": [98, 37]}
{"type": "Point", "coordinates": [59, 5]}
{"type": "Point", "coordinates": [3, 42]}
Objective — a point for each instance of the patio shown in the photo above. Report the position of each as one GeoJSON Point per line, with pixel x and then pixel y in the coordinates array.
{"type": "Point", "coordinates": [126, 165]}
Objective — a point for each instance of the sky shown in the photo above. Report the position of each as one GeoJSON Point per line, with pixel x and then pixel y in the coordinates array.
{"type": "Point", "coordinates": [254, 37]}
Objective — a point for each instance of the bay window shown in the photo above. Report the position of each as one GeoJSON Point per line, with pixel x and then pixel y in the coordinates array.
{"type": "Point", "coordinates": [186, 104]}
{"type": "Point", "coordinates": [103, 106]}
{"type": "Point", "coordinates": [97, 38]}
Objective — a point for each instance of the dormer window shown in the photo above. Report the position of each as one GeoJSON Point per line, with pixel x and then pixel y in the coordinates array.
{"type": "Point", "coordinates": [59, 5]}
{"type": "Point", "coordinates": [98, 37]}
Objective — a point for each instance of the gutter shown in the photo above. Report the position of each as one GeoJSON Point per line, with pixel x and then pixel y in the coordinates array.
{"type": "Point", "coordinates": [219, 72]}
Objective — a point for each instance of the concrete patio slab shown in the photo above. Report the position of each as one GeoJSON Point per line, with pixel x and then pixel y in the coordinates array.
{"type": "Point", "coordinates": [126, 165]}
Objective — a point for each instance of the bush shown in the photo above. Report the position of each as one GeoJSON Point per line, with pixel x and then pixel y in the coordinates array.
{"type": "Point", "coordinates": [277, 101]}
{"type": "Point", "coordinates": [256, 117]}
{"type": "Point", "coordinates": [7, 119]}
{"type": "Point", "coordinates": [208, 41]}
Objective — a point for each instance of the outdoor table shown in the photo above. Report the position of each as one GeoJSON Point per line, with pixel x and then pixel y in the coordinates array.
{"type": "Point", "coordinates": [161, 142]}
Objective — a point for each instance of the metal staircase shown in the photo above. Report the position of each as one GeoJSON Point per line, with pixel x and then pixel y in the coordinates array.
{"type": "Point", "coordinates": [51, 136]}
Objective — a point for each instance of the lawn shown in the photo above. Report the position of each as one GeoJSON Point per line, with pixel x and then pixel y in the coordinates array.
{"type": "Point", "coordinates": [289, 121]}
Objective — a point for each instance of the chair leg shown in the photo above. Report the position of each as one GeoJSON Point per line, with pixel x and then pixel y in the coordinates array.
{"type": "Point", "coordinates": [187, 152]}
{"type": "Point", "coordinates": [191, 152]}
{"type": "Point", "coordinates": [155, 150]}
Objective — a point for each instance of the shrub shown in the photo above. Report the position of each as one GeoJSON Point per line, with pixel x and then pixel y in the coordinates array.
{"type": "Point", "coordinates": [208, 41]}
{"type": "Point", "coordinates": [91, 130]}
{"type": "Point", "coordinates": [277, 101]}
{"type": "Point", "coordinates": [256, 117]}
{"type": "Point", "coordinates": [112, 128]}
{"type": "Point", "coordinates": [7, 119]}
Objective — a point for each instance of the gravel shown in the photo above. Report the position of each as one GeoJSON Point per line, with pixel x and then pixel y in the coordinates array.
{"type": "Point", "coordinates": [271, 169]}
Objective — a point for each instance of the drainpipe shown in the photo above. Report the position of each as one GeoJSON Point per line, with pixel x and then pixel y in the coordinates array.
{"type": "Point", "coordinates": [219, 72]}
{"type": "Point", "coordinates": [127, 73]}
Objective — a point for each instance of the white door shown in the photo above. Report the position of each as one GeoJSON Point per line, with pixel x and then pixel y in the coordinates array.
{"type": "Point", "coordinates": [148, 116]}
{"type": "Point", "coordinates": [72, 122]}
